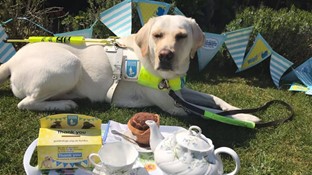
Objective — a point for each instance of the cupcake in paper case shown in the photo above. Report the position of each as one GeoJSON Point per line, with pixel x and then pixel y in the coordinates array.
{"type": "Point", "coordinates": [139, 128]}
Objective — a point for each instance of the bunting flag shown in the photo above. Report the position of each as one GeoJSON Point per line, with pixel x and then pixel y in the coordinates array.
{"type": "Point", "coordinates": [304, 73]}
{"type": "Point", "coordinates": [177, 11]}
{"type": "Point", "coordinates": [72, 164]}
{"type": "Point", "coordinates": [236, 43]}
{"type": "Point", "coordinates": [118, 18]}
{"type": "Point", "coordinates": [6, 49]}
{"type": "Point", "coordinates": [291, 76]}
{"type": "Point", "coordinates": [87, 33]}
{"type": "Point", "coordinates": [211, 46]}
{"type": "Point", "coordinates": [258, 52]}
{"type": "Point", "coordinates": [278, 66]}
{"type": "Point", "coordinates": [298, 87]}
{"type": "Point", "coordinates": [148, 9]}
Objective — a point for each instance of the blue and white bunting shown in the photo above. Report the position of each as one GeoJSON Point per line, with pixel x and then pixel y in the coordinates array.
{"type": "Point", "coordinates": [259, 51]}
{"type": "Point", "coordinates": [236, 42]}
{"type": "Point", "coordinates": [118, 18]}
{"type": "Point", "coordinates": [87, 33]}
{"type": "Point", "coordinates": [304, 73]}
{"type": "Point", "coordinates": [211, 46]}
{"type": "Point", "coordinates": [177, 11]}
{"type": "Point", "coordinates": [6, 49]}
{"type": "Point", "coordinates": [71, 164]}
{"type": "Point", "coordinates": [147, 9]}
{"type": "Point", "coordinates": [278, 66]}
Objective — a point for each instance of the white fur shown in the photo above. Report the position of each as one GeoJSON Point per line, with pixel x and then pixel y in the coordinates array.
{"type": "Point", "coordinates": [47, 76]}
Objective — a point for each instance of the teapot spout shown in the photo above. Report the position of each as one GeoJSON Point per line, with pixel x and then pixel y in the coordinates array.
{"type": "Point", "coordinates": [155, 135]}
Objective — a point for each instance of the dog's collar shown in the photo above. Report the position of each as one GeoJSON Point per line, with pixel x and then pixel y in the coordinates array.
{"type": "Point", "coordinates": [150, 80]}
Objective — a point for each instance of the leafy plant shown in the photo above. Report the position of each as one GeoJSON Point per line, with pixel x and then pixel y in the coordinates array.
{"type": "Point", "coordinates": [34, 11]}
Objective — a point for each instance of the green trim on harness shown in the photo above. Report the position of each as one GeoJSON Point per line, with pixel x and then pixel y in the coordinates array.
{"type": "Point", "coordinates": [228, 120]}
{"type": "Point", "coordinates": [152, 81]}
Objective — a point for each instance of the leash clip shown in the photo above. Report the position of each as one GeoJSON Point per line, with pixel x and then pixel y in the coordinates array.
{"type": "Point", "coordinates": [164, 84]}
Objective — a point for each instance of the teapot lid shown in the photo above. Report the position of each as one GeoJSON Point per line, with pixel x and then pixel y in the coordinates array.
{"type": "Point", "coordinates": [193, 140]}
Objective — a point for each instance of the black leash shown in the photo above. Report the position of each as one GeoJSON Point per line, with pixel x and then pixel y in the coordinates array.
{"type": "Point", "coordinates": [189, 108]}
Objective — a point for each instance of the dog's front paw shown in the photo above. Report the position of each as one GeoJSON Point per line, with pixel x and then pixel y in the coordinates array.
{"type": "Point", "coordinates": [61, 105]}
{"type": "Point", "coordinates": [65, 105]}
{"type": "Point", "coordinates": [228, 107]}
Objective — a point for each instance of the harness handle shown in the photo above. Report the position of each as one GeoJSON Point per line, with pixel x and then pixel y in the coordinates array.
{"type": "Point", "coordinates": [262, 108]}
{"type": "Point", "coordinates": [189, 108]}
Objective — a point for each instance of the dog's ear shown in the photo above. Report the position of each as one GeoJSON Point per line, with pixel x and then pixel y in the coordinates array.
{"type": "Point", "coordinates": [198, 37]}
{"type": "Point", "coordinates": [142, 36]}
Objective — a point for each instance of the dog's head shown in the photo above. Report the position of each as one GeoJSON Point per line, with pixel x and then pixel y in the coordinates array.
{"type": "Point", "coordinates": [167, 43]}
{"type": "Point", "coordinates": [48, 158]}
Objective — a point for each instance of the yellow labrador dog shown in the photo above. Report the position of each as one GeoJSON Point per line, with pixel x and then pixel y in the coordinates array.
{"type": "Point", "coordinates": [48, 76]}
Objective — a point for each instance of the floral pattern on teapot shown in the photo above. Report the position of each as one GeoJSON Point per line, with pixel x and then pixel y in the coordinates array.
{"type": "Point", "coordinates": [188, 152]}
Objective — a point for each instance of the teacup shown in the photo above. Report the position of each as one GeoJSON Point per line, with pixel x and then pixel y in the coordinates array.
{"type": "Point", "coordinates": [116, 158]}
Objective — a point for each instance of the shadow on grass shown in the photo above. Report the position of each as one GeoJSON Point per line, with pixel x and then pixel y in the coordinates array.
{"type": "Point", "coordinates": [223, 134]}
{"type": "Point", "coordinates": [85, 105]}
{"type": "Point", "coordinates": [6, 93]}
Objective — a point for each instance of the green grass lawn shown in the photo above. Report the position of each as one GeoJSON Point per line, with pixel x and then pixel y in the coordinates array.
{"type": "Point", "coordinates": [286, 149]}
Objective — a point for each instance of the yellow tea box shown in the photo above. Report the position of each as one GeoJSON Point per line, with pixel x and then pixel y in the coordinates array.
{"type": "Point", "coordinates": [67, 139]}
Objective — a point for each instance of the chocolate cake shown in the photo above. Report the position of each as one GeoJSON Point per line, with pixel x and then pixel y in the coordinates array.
{"type": "Point", "coordinates": [139, 128]}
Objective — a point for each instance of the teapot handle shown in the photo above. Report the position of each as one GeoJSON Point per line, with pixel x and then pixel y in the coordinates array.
{"type": "Point", "coordinates": [233, 154]}
{"type": "Point", "coordinates": [193, 130]}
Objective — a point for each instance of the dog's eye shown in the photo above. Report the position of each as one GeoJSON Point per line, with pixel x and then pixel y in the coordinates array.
{"type": "Point", "coordinates": [158, 35]}
{"type": "Point", "coordinates": [181, 36]}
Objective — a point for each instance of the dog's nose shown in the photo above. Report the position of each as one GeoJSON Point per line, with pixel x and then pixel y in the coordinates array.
{"type": "Point", "coordinates": [165, 55]}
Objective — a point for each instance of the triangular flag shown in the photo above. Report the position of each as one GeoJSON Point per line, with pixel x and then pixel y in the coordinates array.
{"type": "Point", "coordinates": [64, 164]}
{"type": "Point", "coordinates": [304, 72]}
{"type": "Point", "coordinates": [298, 87]}
{"type": "Point", "coordinates": [291, 76]}
{"type": "Point", "coordinates": [87, 33]}
{"type": "Point", "coordinates": [58, 163]}
{"type": "Point", "coordinates": [118, 18]}
{"type": "Point", "coordinates": [236, 43]}
{"type": "Point", "coordinates": [211, 46]}
{"type": "Point", "coordinates": [309, 92]}
{"type": "Point", "coordinates": [148, 9]}
{"type": "Point", "coordinates": [258, 52]}
{"type": "Point", "coordinates": [278, 66]}
{"type": "Point", "coordinates": [85, 161]}
{"type": "Point", "coordinates": [6, 49]}
{"type": "Point", "coordinates": [72, 164]}
{"type": "Point", "coordinates": [177, 11]}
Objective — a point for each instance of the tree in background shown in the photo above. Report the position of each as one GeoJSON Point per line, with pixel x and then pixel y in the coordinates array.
{"type": "Point", "coordinates": [34, 10]}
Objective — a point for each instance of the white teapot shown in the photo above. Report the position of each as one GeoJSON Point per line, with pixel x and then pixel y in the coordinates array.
{"type": "Point", "coordinates": [188, 152]}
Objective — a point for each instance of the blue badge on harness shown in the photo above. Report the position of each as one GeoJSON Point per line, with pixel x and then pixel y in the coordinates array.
{"type": "Point", "coordinates": [131, 69]}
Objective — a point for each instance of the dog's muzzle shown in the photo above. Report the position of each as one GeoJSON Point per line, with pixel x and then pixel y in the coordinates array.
{"type": "Point", "coordinates": [165, 59]}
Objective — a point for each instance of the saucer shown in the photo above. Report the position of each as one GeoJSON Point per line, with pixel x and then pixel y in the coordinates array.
{"type": "Point", "coordinates": [137, 169]}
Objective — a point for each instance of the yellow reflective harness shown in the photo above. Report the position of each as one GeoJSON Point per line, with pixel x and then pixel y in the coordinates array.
{"type": "Point", "coordinates": [152, 81]}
